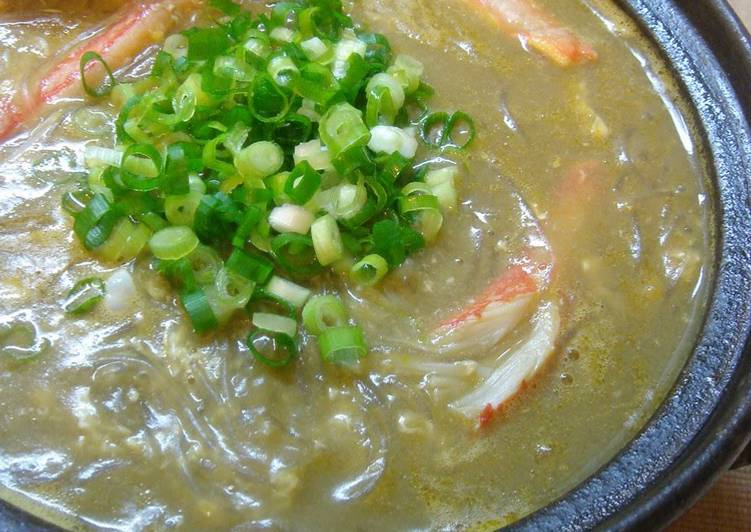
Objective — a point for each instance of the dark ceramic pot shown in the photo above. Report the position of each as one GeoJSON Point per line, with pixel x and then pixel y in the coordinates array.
{"type": "Point", "coordinates": [706, 420]}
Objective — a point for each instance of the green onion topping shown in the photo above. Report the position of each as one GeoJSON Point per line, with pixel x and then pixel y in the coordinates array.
{"type": "Point", "coordinates": [264, 150]}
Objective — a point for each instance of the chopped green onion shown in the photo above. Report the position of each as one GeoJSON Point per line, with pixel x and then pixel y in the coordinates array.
{"type": "Point", "coordinates": [252, 217]}
{"type": "Point", "coordinates": [282, 70]}
{"type": "Point", "coordinates": [291, 219]}
{"type": "Point", "coordinates": [251, 267]}
{"type": "Point", "coordinates": [20, 340]}
{"type": "Point", "coordinates": [84, 296]}
{"type": "Point", "coordinates": [327, 240]}
{"type": "Point", "coordinates": [288, 291]}
{"type": "Point", "coordinates": [433, 129]}
{"type": "Point", "coordinates": [314, 154]}
{"type": "Point", "coordinates": [460, 131]}
{"type": "Point", "coordinates": [97, 156]}
{"type": "Point", "coordinates": [315, 49]}
{"type": "Point", "coordinates": [345, 201]}
{"type": "Point", "coordinates": [389, 139]}
{"type": "Point", "coordinates": [408, 204]}
{"type": "Point", "coordinates": [204, 264]}
{"type": "Point", "coordinates": [385, 99]}
{"type": "Point", "coordinates": [303, 182]}
{"type": "Point", "coordinates": [233, 68]}
{"type": "Point", "coordinates": [258, 46]}
{"type": "Point", "coordinates": [260, 159]}
{"type": "Point", "coordinates": [342, 345]}
{"type": "Point", "coordinates": [267, 101]}
{"type": "Point", "coordinates": [323, 312]}
{"type": "Point", "coordinates": [369, 270]}
{"type": "Point", "coordinates": [282, 34]}
{"type": "Point", "coordinates": [181, 210]}
{"type": "Point", "coordinates": [407, 71]}
{"type": "Point", "coordinates": [233, 289]}
{"type": "Point", "coordinates": [94, 223]}
{"type": "Point", "coordinates": [342, 128]}
{"type": "Point", "coordinates": [439, 130]}
{"type": "Point", "coordinates": [295, 254]}
{"type": "Point", "coordinates": [75, 201]}
{"type": "Point", "coordinates": [343, 50]}
{"type": "Point", "coordinates": [442, 183]}
{"type": "Point", "coordinates": [279, 349]}
{"type": "Point", "coordinates": [173, 243]}
{"type": "Point", "coordinates": [176, 45]}
{"type": "Point", "coordinates": [125, 242]}
{"type": "Point", "coordinates": [271, 138]}
{"type": "Point", "coordinates": [275, 323]}
{"type": "Point", "coordinates": [141, 167]}
{"type": "Point", "coordinates": [88, 60]}
{"type": "Point", "coordinates": [199, 310]}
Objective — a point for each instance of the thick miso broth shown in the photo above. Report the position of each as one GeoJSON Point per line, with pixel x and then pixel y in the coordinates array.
{"type": "Point", "coordinates": [128, 420]}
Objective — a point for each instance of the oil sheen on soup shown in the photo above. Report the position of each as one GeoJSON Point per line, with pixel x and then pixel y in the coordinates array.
{"type": "Point", "coordinates": [126, 419]}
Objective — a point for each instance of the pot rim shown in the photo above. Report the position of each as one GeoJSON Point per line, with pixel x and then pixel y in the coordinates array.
{"type": "Point", "coordinates": [705, 421]}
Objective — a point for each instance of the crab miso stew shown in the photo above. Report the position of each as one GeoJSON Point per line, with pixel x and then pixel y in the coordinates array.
{"type": "Point", "coordinates": [400, 265]}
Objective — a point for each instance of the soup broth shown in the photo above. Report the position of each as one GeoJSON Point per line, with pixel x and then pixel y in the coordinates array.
{"type": "Point", "coordinates": [127, 419]}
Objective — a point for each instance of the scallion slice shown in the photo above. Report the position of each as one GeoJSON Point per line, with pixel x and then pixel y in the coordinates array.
{"type": "Point", "coordinates": [327, 240]}
{"type": "Point", "coordinates": [342, 127]}
{"type": "Point", "coordinates": [369, 270]}
{"type": "Point", "coordinates": [84, 296]}
{"type": "Point", "coordinates": [291, 219]}
{"type": "Point", "coordinates": [141, 167]}
{"type": "Point", "coordinates": [89, 60]}
{"type": "Point", "coordinates": [302, 183]}
{"type": "Point", "coordinates": [273, 349]}
{"type": "Point", "coordinates": [342, 345]}
{"type": "Point", "coordinates": [173, 243]}
{"type": "Point", "coordinates": [288, 291]}
{"type": "Point", "coordinates": [251, 267]}
{"type": "Point", "coordinates": [199, 311]}
{"type": "Point", "coordinates": [260, 159]}
{"type": "Point", "coordinates": [323, 312]}
{"type": "Point", "coordinates": [275, 323]}
{"type": "Point", "coordinates": [232, 289]}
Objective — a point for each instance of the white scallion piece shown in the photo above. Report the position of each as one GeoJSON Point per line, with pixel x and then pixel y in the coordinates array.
{"type": "Point", "coordinates": [391, 84]}
{"type": "Point", "coordinates": [98, 156]}
{"type": "Point", "coordinates": [288, 291]}
{"type": "Point", "coordinates": [389, 139]}
{"type": "Point", "coordinates": [282, 34]}
{"type": "Point", "coordinates": [275, 323]}
{"type": "Point", "coordinates": [314, 48]}
{"type": "Point", "coordinates": [344, 49]}
{"type": "Point", "coordinates": [120, 290]}
{"type": "Point", "coordinates": [315, 153]}
{"type": "Point", "coordinates": [327, 240]}
{"type": "Point", "coordinates": [442, 182]}
{"type": "Point", "coordinates": [291, 219]}
{"type": "Point", "coordinates": [260, 159]}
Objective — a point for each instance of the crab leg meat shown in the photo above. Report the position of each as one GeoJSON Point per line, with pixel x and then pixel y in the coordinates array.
{"type": "Point", "coordinates": [493, 314]}
{"type": "Point", "coordinates": [514, 370]}
{"type": "Point", "coordinates": [537, 29]}
{"type": "Point", "coordinates": [132, 30]}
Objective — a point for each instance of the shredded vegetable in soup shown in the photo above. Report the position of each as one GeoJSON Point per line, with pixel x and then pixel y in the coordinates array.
{"type": "Point", "coordinates": [400, 265]}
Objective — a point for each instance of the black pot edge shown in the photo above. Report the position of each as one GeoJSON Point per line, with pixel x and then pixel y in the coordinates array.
{"type": "Point", "coordinates": [706, 420]}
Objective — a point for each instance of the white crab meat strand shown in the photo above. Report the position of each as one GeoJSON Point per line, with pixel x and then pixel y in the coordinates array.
{"type": "Point", "coordinates": [514, 368]}
{"type": "Point", "coordinates": [484, 323]}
